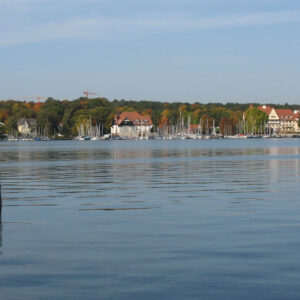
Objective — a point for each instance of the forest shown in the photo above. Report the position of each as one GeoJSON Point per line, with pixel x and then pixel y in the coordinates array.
{"type": "Point", "coordinates": [64, 116]}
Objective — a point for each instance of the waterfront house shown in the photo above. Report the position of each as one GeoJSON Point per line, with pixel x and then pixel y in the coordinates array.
{"type": "Point", "coordinates": [284, 121]}
{"type": "Point", "coordinates": [26, 126]}
{"type": "Point", "coordinates": [281, 121]}
{"type": "Point", "coordinates": [131, 124]}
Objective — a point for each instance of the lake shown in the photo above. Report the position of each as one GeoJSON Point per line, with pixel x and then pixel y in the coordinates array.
{"type": "Point", "coordinates": [191, 219]}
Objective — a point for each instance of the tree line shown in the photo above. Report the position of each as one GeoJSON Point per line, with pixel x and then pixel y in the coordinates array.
{"type": "Point", "coordinates": [63, 116]}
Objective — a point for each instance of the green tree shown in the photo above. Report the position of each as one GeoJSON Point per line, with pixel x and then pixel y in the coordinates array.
{"type": "Point", "coordinates": [255, 119]}
{"type": "Point", "coordinates": [11, 125]}
{"type": "Point", "coordinates": [50, 115]}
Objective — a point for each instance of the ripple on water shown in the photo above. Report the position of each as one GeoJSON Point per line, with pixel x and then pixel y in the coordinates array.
{"type": "Point", "coordinates": [150, 219]}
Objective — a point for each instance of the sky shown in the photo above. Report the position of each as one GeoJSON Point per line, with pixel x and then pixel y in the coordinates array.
{"type": "Point", "coordinates": [161, 50]}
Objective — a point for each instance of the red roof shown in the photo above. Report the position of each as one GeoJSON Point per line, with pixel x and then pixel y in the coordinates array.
{"type": "Point", "coordinates": [265, 108]}
{"type": "Point", "coordinates": [134, 117]}
{"type": "Point", "coordinates": [286, 114]}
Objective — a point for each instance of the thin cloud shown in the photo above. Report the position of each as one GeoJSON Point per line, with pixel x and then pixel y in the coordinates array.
{"type": "Point", "coordinates": [103, 27]}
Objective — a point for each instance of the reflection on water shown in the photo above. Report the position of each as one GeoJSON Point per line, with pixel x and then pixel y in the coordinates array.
{"type": "Point", "coordinates": [151, 219]}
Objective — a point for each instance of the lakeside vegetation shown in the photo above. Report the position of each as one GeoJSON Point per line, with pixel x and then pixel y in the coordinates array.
{"type": "Point", "coordinates": [63, 116]}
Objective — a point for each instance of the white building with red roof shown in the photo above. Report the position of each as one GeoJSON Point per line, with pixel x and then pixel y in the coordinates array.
{"type": "Point", "coordinates": [131, 124]}
{"type": "Point", "coordinates": [283, 121]}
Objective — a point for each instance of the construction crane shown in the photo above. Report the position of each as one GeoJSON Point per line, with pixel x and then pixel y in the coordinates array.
{"type": "Point", "coordinates": [87, 93]}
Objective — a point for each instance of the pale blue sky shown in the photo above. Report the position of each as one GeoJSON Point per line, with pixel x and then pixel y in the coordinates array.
{"type": "Point", "coordinates": [205, 50]}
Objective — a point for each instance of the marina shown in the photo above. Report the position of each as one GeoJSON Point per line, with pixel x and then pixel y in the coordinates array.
{"type": "Point", "coordinates": [156, 137]}
{"type": "Point", "coordinates": [256, 122]}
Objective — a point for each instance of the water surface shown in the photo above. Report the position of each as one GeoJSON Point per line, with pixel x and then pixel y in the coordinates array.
{"type": "Point", "coordinates": [211, 219]}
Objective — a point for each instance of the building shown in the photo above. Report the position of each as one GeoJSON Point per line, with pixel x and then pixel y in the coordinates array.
{"type": "Point", "coordinates": [281, 121]}
{"type": "Point", "coordinates": [265, 108]}
{"type": "Point", "coordinates": [284, 121]}
{"type": "Point", "coordinates": [26, 126]}
{"type": "Point", "coordinates": [131, 124]}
